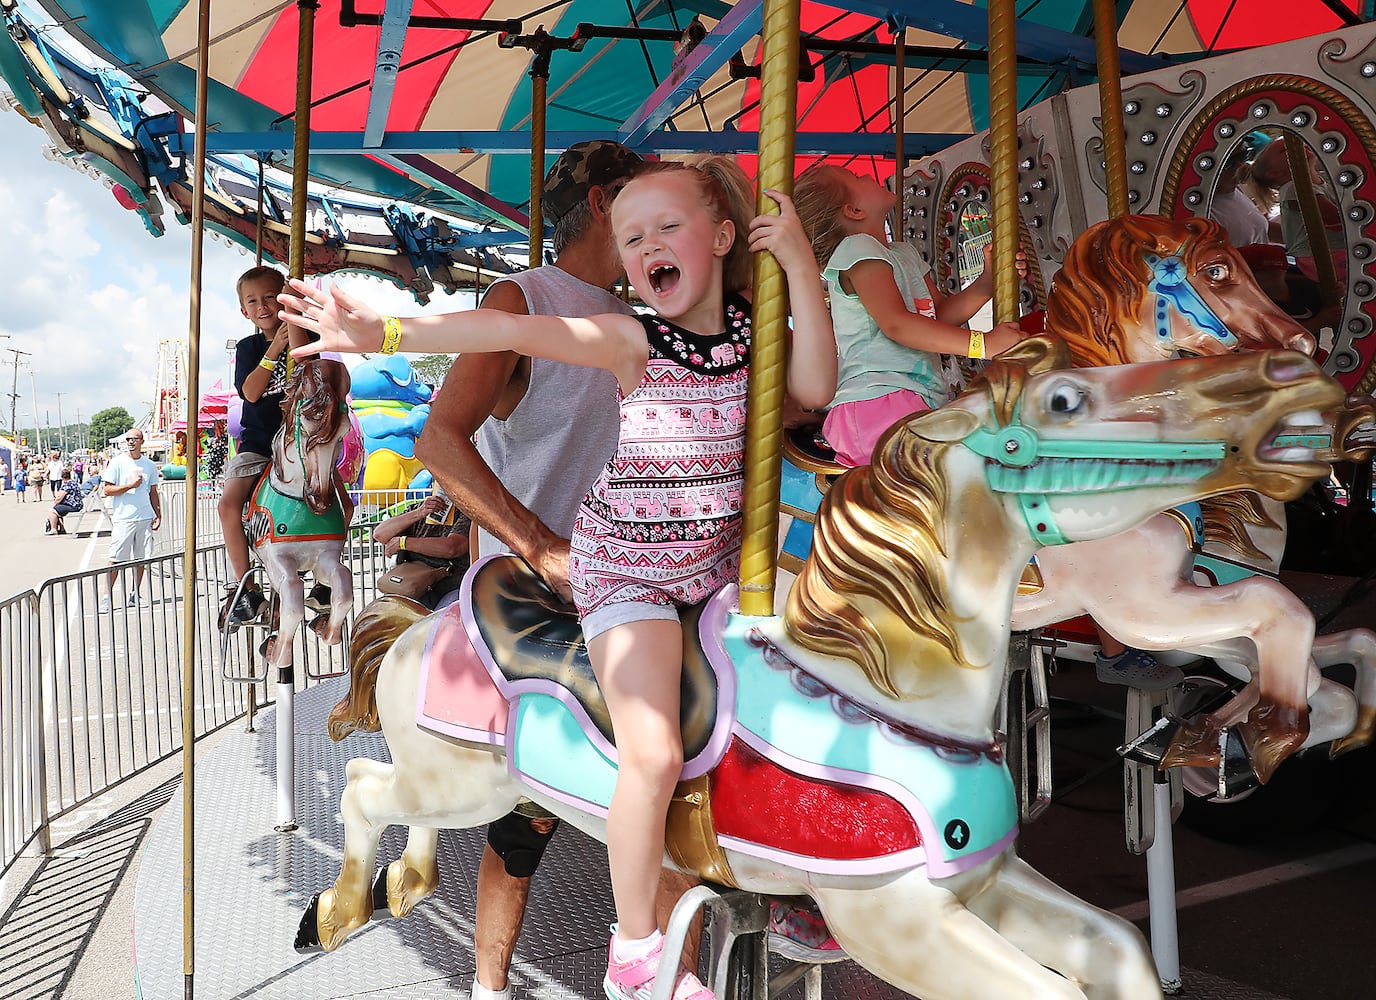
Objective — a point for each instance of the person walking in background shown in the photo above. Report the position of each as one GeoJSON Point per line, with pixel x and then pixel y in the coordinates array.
{"type": "Point", "coordinates": [131, 483]}
{"type": "Point", "coordinates": [21, 484]}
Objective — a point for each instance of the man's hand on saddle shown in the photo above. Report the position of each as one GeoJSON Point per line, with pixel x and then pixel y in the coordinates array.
{"type": "Point", "coordinates": [550, 559]}
{"type": "Point", "coordinates": [430, 505]}
{"type": "Point", "coordinates": [342, 322]}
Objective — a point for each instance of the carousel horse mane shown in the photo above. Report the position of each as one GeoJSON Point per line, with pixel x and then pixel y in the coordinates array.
{"type": "Point", "coordinates": [1227, 516]}
{"type": "Point", "coordinates": [316, 396]}
{"type": "Point", "coordinates": [1102, 286]}
{"type": "Point", "coordinates": [878, 538]}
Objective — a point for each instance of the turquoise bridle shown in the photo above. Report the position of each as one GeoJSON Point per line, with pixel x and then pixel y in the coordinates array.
{"type": "Point", "coordinates": [1021, 463]}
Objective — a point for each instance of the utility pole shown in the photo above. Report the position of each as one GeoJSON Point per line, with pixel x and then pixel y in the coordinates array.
{"type": "Point", "coordinates": [14, 388]}
{"type": "Point", "coordinates": [80, 433]}
{"type": "Point", "coordinates": [33, 408]}
{"type": "Point", "coordinates": [61, 427]}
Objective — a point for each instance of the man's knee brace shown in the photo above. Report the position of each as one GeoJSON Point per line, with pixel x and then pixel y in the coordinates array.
{"type": "Point", "coordinates": [518, 843]}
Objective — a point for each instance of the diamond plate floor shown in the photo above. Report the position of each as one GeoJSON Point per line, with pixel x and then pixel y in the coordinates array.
{"type": "Point", "coordinates": [253, 883]}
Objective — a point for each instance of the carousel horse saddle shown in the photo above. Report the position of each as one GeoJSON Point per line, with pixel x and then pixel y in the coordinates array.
{"type": "Point", "coordinates": [529, 644]}
{"type": "Point", "coordinates": [271, 516]}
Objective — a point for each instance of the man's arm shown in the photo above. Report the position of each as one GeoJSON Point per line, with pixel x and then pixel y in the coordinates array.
{"type": "Point", "coordinates": [472, 391]}
{"type": "Point", "coordinates": [156, 501]}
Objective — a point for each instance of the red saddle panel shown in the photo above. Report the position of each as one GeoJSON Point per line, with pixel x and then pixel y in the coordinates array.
{"type": "Point", "coordinates": [756, 800]}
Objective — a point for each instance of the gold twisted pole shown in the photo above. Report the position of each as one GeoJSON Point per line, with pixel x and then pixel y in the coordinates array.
{"type": "Point", "coordinates": [301, 155]}
{"type": "Point", "coordinates": [1003, 155]}
{"type": "Point", "coordinates": [900, 52]}
{"type": "Point", "coordinates": [1111, 106]}
{"type": "Point", "coordinates": [1296, 155]}
{"type": "Point", "coordinates": [764, 422]}
{"type": "Point", "coordinates": [192, 403]}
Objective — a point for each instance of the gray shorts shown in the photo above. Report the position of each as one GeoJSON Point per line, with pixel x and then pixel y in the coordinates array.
{"type": "Point", "coordinates": [598, 620]}
{"type": "Point", "coordinates": [131, 540]}
{"type": "Point", "coordinates": [246, 464]}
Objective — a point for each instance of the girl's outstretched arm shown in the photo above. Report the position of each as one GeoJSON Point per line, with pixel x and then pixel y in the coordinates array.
{"type": "Point", "coordinates": [812, 355]}
{"type": "Point", "coordinates": [343, 323]}
{"type": "Point", "coordinates": [957, 308]}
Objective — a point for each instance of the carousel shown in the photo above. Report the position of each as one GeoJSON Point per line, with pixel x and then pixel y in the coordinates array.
{"type": "Point", "coordinates": [867, 720]}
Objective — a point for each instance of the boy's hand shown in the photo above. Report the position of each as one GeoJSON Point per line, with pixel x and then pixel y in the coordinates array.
{"type": "Point", "coordinates": [782, 235]}
{"type": "Point", "coordinates": [1002, 337]}
{"type": "Point", "coordinates": [342, 321]}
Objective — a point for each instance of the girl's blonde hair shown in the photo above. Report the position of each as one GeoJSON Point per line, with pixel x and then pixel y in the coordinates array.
{"type": "Point", "coordinates": [820, 194]}
{"type": "Point", "coordinates": [727, 194]}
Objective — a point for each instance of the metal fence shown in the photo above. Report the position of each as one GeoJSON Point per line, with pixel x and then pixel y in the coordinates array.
{"type": "Point", "coordinates": [90, 675]}
{"type": "Point", "coordinates": [22, 774]}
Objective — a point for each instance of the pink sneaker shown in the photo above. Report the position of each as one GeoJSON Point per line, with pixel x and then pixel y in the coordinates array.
{"type": "Point", "coordinates": [635, 980]}
{"type": "Point", "coordinates": [800, 934]}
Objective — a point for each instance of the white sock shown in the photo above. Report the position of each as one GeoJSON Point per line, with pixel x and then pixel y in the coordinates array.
{"type": "Point", "coordinates": [630, 949]}
{"type": "Point", "coordinates": [481, 992]}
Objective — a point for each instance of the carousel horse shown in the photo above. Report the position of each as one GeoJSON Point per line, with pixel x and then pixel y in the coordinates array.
{"type": "Point", "coordinates": [294, 521]}
{"type": "Point", "coordinates": [1180, 288]}
{"type": "Point", "coordinates": [844, 750]}
{"type": "Point", "coordinates": [1146, 288]}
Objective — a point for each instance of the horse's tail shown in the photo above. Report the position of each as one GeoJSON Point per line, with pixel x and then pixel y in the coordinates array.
{"type": "Point", "coordinates": [374, 631]}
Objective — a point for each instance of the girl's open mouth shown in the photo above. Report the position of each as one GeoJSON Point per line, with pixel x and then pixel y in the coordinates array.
{"type": "Point", "coordinates": [663, 278]}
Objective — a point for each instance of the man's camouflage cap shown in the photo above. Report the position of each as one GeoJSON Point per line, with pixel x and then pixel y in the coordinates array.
{"type": "Point", "coordinates": [583, 166]}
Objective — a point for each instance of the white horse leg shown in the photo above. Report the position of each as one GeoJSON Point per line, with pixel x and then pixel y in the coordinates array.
{"type": "Point", "coordinates": [1358, 647]}
{"type": "Point", "coordinates": [414, 875]}
{"type": "Point", "coordinates": [919, 937]}
{"type": "Point", "coordinates": [332, 573]}
{"type": "Point", "coordinates": [1104, 954]}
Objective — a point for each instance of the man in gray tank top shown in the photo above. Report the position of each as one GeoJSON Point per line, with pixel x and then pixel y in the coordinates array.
{"type": "Point", "coordinates": [544, 430]}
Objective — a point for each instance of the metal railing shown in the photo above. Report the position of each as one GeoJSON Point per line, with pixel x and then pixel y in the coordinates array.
{"type": "Point", "coordinates": [90, 678]}
{"type": "Point", "coordinates": [23, 793]}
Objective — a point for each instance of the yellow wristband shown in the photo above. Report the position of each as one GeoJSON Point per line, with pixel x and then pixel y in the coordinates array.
{"type": "Point", "coordinates": [267, 364]}
{"type": "Point", "coordinates": [977, 343]}
{"type": "Point", "coordinates": [391, 335]}
{"type": "Point", "coordinates": [401, 544]}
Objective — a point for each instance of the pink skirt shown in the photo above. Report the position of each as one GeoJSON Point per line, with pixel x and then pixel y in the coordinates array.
{"type": "Point", "coordinates": [853, 429]}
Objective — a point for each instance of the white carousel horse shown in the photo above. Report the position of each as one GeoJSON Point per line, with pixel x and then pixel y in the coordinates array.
{"type": "Point", "coordinates": [1146, 288]}
{"type": "Point", "coordinates": [1181, 288]}
{"type": "Point", "coordinates": [892, 647]}
{"type": "Point", "coordinates": [294, 520]}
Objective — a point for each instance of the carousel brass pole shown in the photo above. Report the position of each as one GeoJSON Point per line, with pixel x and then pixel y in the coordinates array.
{"type": "Point", "coordinates": [1003, 155]}
{"type": "Point", "coordinates": [258, 229]}
{"type": "Point", "coordinates": [764, 422]}
{"type": "Point", "coordinates": [301, 149]}
{"type": "Point", "coordinates": [193, 396]}
{"type": "Point", "coordinates": [900, 51]}
{"type": "Point", "coordinates": [1111, 106]}
{"type": "Point", "coordinates": [539, 80]}
{"type": "Point", "coordinates": [1313, 220]}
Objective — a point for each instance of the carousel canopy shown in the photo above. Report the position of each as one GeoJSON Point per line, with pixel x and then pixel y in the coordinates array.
{"type": "Point", "coordinates": [428, 102]}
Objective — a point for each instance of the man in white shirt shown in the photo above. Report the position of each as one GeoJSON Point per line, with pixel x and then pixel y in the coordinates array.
{"type": "Point", "coordinates": [131, 483]}
{"type": "Point", "coordinates": [54, 471]}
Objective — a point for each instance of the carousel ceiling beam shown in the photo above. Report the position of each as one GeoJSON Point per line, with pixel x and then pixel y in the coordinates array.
{"type": "Point", "coordinates": [738, 26]}
{"type": "Point", "coordinates": [424, 171]}
{"type": "Point", "coordinates": [970, 23]}
{"type": "Point", "coordinates": [1350, 18]}
{"type": "Point", "coordinates": [390, 40]}
{"type": "Point", "coordinates": [403, 144]}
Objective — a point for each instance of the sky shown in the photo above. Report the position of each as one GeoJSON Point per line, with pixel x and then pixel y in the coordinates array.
{"type": "Point", "coordinates": [90, 294]}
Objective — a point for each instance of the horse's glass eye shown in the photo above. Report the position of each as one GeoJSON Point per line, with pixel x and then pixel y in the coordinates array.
{"type": "Point", "coordinates": [1217, 272]}
{"type": "Point", "coordinates": [1066, 398]}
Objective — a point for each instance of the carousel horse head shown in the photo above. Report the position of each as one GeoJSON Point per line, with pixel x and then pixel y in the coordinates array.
{"type": "Point", "coordinates": [1035, 453]}
{"type": "Point", "coordinates": [1146, 288]}
{"type": "Point", "coordinates": [313, 429]}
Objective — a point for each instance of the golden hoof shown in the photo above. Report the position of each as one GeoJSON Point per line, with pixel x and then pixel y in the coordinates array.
{"type": "Point", "coordinates": [1360, 736]}
{"type": "Point", "coordinates": [1195, 745]}
{"type": "Point", "coordinates": [1271, 734]}
{"type": "Point", "coordinates": [333, 924]}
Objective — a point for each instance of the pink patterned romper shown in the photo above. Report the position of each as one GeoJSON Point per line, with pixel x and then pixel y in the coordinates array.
{"type": "Point", "coordinates": [661, 526]}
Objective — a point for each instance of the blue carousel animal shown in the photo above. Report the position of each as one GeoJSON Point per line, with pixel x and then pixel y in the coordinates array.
{"type": "Point", "coordinates": [867, 707]}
